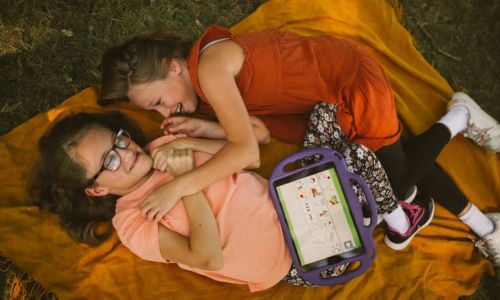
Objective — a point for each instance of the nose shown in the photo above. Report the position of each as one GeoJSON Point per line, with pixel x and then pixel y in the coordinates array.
{"type": "Point", "coordinates": [125, 155]}
{"type": "Point", "coordinates": [165, 112]}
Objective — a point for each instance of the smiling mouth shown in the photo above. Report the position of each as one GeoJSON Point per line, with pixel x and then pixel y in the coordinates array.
{"type": "Point", "coordinates": [134, 161]}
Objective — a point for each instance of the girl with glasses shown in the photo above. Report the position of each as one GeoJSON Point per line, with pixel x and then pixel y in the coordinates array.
{"type": "Point", "coordinates": [95, 172]}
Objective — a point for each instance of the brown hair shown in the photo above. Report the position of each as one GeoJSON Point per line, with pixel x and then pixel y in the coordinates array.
{"type": "Point", "coordinates": [59, 182]}
{"type": "Point", "coordinates": [138, 60]}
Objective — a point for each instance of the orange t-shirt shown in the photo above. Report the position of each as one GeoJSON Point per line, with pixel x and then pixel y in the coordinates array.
{"type": "Point", "coordinates": [284, 75]}
{"type": "Point", "coordinates": [253, 245]}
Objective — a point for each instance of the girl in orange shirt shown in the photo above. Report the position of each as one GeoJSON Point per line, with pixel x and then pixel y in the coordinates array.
{"type": "Point", "coordinates": [280, 77]}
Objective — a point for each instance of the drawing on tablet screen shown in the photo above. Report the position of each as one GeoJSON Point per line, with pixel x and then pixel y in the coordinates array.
{"type": "Point", "coordinates": [319, 218]}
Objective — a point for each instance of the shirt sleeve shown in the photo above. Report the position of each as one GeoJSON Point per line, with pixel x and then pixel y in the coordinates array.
{"type": "Point", "coordinates": [138, 234]}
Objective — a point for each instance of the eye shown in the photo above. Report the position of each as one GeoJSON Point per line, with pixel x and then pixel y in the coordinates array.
{"type": "Point", "coordinates": [112, 161]}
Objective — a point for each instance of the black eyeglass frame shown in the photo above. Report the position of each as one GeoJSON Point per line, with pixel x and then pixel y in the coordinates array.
{"type": "Point", "coordinates": [117, 143]}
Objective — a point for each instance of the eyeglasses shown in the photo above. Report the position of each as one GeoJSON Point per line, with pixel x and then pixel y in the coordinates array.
{"type": "Point", "coordinates": [112, 159]}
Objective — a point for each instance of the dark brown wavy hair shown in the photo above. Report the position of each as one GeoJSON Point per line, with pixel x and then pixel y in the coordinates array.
{"type": "Point", "coordinates": [59, 182]}
{"type": "Point", "coordinates": [138, 60]}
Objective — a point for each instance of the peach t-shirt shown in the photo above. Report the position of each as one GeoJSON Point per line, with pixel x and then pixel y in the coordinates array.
{"type": "Point", "coordinates": [253, 245]}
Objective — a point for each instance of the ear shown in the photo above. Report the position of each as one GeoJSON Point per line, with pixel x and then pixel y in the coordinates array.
{"type": "Point", "coordinates": [175, 66]}
{"type": "Point", "coordinates": [97, 191]}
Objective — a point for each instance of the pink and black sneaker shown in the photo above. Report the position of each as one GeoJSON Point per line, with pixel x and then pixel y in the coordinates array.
{"type": "Point", "coordinates": [408, 198]}
{"type": "Point", "coordinates": [419, 213]}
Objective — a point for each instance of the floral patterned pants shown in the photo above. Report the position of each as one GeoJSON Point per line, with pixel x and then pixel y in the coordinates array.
{"type": "Point", "coordinates": [324, 131]}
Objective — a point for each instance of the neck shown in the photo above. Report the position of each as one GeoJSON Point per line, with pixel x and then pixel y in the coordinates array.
{"type": "Point", "coordinates": [135, 186]}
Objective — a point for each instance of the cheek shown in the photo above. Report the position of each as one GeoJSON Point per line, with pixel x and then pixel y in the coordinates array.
{"type": "Point", "coordinates": [146, 164]}
{"type": "Point", "coordinates": [122, 180]}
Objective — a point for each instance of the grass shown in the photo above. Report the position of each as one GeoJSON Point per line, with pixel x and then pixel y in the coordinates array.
{"type": "Point", "coordinates": [460, 39]}
{"type": "Point", "coordinates": [50, 50]}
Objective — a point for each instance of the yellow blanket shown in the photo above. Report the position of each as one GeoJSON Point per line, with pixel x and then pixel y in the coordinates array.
{"type": "Point", "coordinates": [441, 262]}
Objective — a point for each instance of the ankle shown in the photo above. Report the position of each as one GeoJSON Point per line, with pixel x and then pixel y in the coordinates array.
{"type": "Point", "coordinates": [397, 220]}
{"type": "Point", "coordinates": [456, 119]}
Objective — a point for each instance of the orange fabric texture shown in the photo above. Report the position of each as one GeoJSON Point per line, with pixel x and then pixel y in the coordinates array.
{"type": "Point", "coordinates": [253, 245]}
{"type": "Point", "coordinates": [441, 262]}
{"type": "Point", "coordinates": [287, 74]}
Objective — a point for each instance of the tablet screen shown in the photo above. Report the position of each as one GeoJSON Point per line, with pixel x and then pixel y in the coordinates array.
{"type": "Point", "coordinates": [318, 217]}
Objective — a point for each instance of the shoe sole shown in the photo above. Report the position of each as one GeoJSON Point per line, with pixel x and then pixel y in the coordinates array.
{"type": "Point", "coordinates": [409, 199]}
{"type": "Point", "coordinates": [412, 196]}
{"type": "Point", "coordinates": [403, 245]}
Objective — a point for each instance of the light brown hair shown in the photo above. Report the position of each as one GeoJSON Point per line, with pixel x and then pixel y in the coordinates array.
{"type": "Point", "coordinates": [138, 60]}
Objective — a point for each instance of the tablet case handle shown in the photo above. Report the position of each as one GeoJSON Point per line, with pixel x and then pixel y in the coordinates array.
{"type": "Point", "coordinates": [345, 177]}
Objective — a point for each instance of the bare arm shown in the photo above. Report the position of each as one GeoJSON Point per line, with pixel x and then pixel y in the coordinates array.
{"type": "Point", "coordinates": [201, 249]}
{"type": "Point", "coordinates": [219, 64]}
{"type": "Point", "coordinates": [217, 70]}
{"type": "Point", "coordinates": [209, 146]}
{"type": "Point", "coordinates": [197, 127]}
{"type": "Point", "coordinates": [160, 153]}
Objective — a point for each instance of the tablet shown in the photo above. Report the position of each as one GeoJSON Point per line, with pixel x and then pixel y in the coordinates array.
{"type": "Point", "coordinates": [321, 215]}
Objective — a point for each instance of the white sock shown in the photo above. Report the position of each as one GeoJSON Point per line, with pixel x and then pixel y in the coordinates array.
{"type": "Point", "coordinates": [456, 119]}
{"type": "Point", "coordinates": [397, 220]}
{"type": "Point", "coordinates": [478, 222]}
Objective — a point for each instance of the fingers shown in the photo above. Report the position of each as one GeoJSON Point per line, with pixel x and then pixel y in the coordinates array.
{"type": "Point", "coordinates": [159, 161]}
{"type": "Point", "coordinates": [160, 158]}
{"type": "Point", "coordinates": [172, 122]}
{"type": "Point", "coordinates": [165, 124]}
{"type": "Point", "coordinates": [162, 166]}
{"type": "Point", "coordinates": [152, 211]}
{"type": "Point", "coordinates": [159, 215]}
{"type": "Point", "coordinates": [186, 125]}
{"type": "Point", "coordinates": [171, 159]}
{"type": "Point", "coordinates": [148, 211]}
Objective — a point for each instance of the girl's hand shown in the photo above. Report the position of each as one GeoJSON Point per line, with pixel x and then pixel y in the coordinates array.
{"type": "Point", "coordinates": [161, 201]}
{"type": "Point", "coordinates": [192, 127]}
{"type": "Point", "coordinates": [162, 154]}
{"type": "Point", "coordinates": [180, 161]}
{"type": "Point", "coordinates": [196, 127]}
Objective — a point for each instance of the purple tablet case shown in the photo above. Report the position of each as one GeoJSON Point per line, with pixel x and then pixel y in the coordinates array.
{"type": "Point", "coordinates": [365, 232]}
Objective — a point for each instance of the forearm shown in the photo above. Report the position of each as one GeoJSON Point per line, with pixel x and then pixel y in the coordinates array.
{"type": "Point", "coordinates": [262, 134]}
{"type": "Point", "coordinates": [204, 236]}
{"type": "Point", "coordinates": [228, 160]}
{"type": "Point", "coordinates": [209, 146]}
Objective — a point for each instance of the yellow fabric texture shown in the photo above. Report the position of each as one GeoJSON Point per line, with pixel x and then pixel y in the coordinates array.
{"type": "Point", "coordinates": [441, 261]}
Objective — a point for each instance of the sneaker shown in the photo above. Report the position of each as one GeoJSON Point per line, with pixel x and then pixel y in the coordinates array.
{"type": "Point", "coordinates": [481, 128]}
{"type": "Point", "coordinates": [419, 213]}
{"type": "Point", "coordinates": [410, 195]}
{"type": "Point", "coordinates": [489, 245]}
